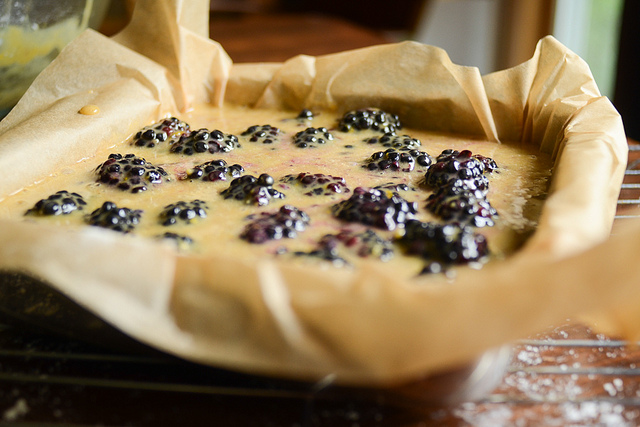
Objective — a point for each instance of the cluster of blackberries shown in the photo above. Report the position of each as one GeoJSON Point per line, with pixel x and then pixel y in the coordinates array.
{"type": "Point", "coordinates": [287, 222]}
{"type": "Point", "coordinates": [112, 217]}
{"type": "Point", "coordinates": [365, 244]}
{"type": "Point", "coordinates": [60, 203]}
{"type": "Point", "coordinates": [459, 178]}
{"type": "Point", "coordinates": [168, 129]}
{"type": "Point", "coordinates": [181, 242]}
{"type": "Point", "coordinates": [369, 118]}
{"type": "Point", "coordinates": [129, 172]}
{"type": "Point", "coordinates": [443, 244]}
{"type": "Point", "coordinates": [215, 170]}
{"type": "Point", "coordinates": [265, 134]}
{"type": "Point", "coordinates": [453, 165]}
{"type": "Point", "coordinates": [304, 115]}
{"type": "Point", "coordinates": [323, 253]}
{"type": "Point", "coordinates": [399, 142]}
{"type": "Point", "coordinates": [458, 203]}
{"type": "Point", "coordinates": [312, 137]}
{"type": "Point", "coordinates": [374, 207]}
{"type": "Point", "coordinates": [317, 184]}
{"type": "Point", "coordinates": [205, 141]}
{"type": "Point", "coordinates": [391, 159]}
{"type": "Point", "coordinates": [251, 190]}
{"type": "Point", "coordinates": [183, 212]}
{"type": "Point", "coordinates": [393, 186]}
{"type": "Point", "coordinates": [461, 186]}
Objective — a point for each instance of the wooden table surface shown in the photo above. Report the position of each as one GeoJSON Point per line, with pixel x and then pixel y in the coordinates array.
{"type": "Point", "coordinates": [276, 38]}
{"type": "Point", "coordinates": [564, 376]}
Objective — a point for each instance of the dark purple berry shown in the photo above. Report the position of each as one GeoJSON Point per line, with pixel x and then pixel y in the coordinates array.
{"type": "Point", "coordinates": [287, 222]}
{"type": "Point", "coordinates": [393, 160]}
{"type": "Point", "coordinates": [114, 218]}
{"type": "Point", "coordinates": [215, 170]}
{"type": "Point", "coordinates": [369, 118]}
{"type": "Point", "coordinates": [365, 244]}
{"type": "Point", "coordinates": [323, 254]}
{"type": "Point", "coordinates": [130, 173]}
{"type": "Point", "coordinates": [312, 137]}
{"type": "Point", "coordinates": [265, 134]}
{"type": "Point", "coordinates": [458, 203]}
{"type": "Point", "coordinates": [391, 140]}
{"type": "Point", "coordinates": [373, 207]}
{"type": "Point", "coordinates": [168, 129]}
{"type": "Point", "coordinates": [317, 184]}
{"type": "Point", "coordinates": [60, 203]}
{"type": "Point", "coordinates": [453, 165]}
{"type": "Point", "coordinates": [394, 187]}
{"type": "Point", "coordinates": [183, 212]}
{"type": "Point", "coordinates": [305, 115]}
{"type": "Point", "coordinates": [490, 165]}
{"type": "Point", "coordinates": [251, 190]}
{"type": "Point", "coordinates": [205, 141]}
{"type": "Point", "coordinates": [447, 244]}
{"type": "Point", "coordinates": [182, 242]}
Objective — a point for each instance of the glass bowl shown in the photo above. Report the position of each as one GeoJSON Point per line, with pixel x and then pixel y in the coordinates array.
{"type": "Point", "coordinates": [32, 34]}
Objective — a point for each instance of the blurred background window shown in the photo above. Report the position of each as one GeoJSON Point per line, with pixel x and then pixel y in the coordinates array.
{"type": "Point", "coordinates": [591, 28]}
{"type": "Point", "coordinates": [497, 34]}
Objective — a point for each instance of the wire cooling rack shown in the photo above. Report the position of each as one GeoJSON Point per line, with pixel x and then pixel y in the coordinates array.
{"type": "Point", "coordinates": [629, 201]}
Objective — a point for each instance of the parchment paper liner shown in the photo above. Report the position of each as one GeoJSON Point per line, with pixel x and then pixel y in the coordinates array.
{"type": "Point", "coordinates": [364, 327]}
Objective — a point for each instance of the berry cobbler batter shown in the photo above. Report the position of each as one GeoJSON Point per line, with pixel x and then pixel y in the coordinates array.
{"type": "Point", "coordinates": [339, 190]}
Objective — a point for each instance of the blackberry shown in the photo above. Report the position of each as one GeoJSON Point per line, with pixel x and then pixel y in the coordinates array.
{"type": "Point", "coordinates": [394, 187]}
{"type": "Point", "coordinates": [265, 134]}
{"type": "Point", "coordinates": [391, 140]}
{"type": "Point", "coordinates": [317, 184]}
{"type": "Point", "coordinates": [257, 191]}
{"type": "Point", "coordinates": [129, 172]}
{"type": "Point", "coordinates": [365, 244]}
{"type": "Point", "coordinates": [305, 115]}
{"type": "Point", "coordinates": [285, 223]}
{"type": "Point", "coordinates": [433, 267]}
{"type": "Point", "coordinates": [114, 218]}
{"type": "Point", "coordinates": [391, 159]}
{"type": "Point", "coordinates": [311, 137]}
{"type": "Point", "coordinates": [449, 154]}
{"type": "Point", "coordinates": [490, 165]}
{"type": "Point", "coordinates": [215, 170]}
{"type": "Point", "coordinates": [181, 242]}
{"type": "Point", "coordinates": [452, 165]}
{"type": "Point", "coordinates": [462, 205]}
{"type": "Point", "coordinates": [205, 141]}
{"type": "Point", "coordinates": [324, 254]}
{"type": "Point", "coordinates": [369, 118]}
{"type": "Point", "coordinates": [60, 203]}
{"type": "Point", "coordinates": [446, 244]}
{"type": "Point", "coordinates": [373, 207]}
{"type": "Point", "coordinates": [168, 129]}
{"type": "Point", "coordinates": [183, 212]}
